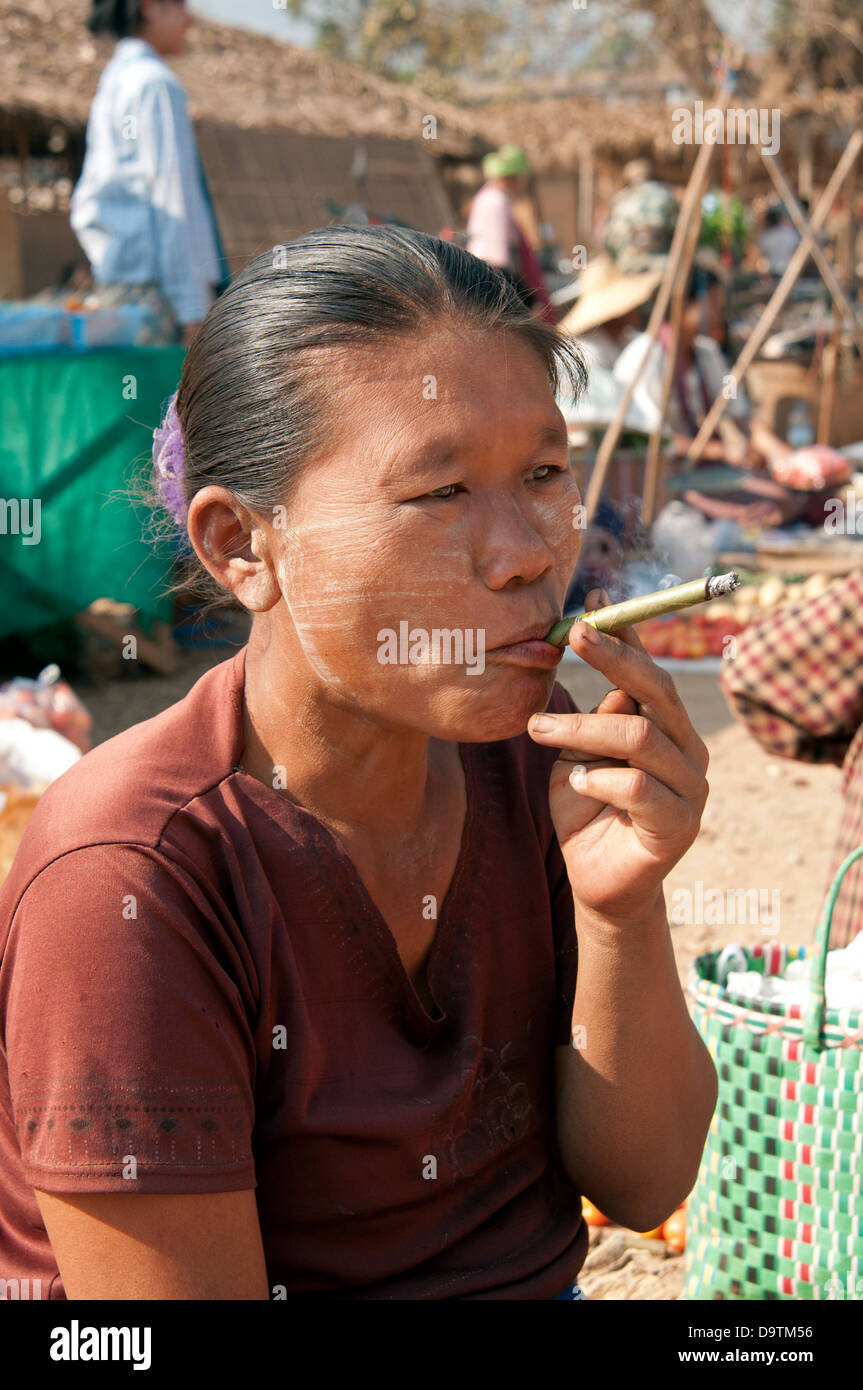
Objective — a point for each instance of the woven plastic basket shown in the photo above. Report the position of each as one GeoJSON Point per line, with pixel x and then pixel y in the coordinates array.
{"type": "Point", "coordinates": [777, 1209]}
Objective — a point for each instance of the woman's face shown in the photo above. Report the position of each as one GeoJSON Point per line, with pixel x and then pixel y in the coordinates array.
{"type": "Point", "coordinates": [164, 24]}
{"type": "Point", "coordinates": [440, 526]}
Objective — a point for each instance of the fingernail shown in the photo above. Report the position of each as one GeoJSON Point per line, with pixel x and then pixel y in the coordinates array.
{"type": "Point", "coordinates": [588, 633]}
{"type": "Point", "coordinates": [543, 724]}
{"type": "Point", "coordinates": [578, 776]}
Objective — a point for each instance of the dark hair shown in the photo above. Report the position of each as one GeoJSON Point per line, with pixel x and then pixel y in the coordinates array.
{"type": "Point", "coordinates": [700, 281]}
{"type": "Point", "coordinates": [253, 400]}
{"type": "Point", "coordinates": [120, 17]}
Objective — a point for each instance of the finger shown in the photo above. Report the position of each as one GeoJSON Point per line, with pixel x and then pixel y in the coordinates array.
{"type": "Point", "coordinates": [632, 739]}
{"type": "Point", "coordinates": [616, 702]}
{"type": "Point", "coordinates": [652, 688]}
{"type": "Point", "coordinates": [598, 598]}
{"type": "Point", "coordinates": [650, 805]}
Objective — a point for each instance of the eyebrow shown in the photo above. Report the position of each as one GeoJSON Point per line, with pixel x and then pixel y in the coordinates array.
{"type": "Point", "coordinates": [443, 453]}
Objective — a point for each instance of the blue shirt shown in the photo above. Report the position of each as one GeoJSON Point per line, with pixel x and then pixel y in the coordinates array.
{"type": "Point", "coordinates": [139, 209]}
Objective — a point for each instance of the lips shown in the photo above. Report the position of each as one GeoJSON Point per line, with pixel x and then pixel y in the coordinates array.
{"type": "Point", "coordinates": [536, 633]}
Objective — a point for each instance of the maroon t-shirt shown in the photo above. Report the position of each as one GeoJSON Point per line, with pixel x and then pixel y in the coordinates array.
{"type": "Point", "coordinates": [197, 994]}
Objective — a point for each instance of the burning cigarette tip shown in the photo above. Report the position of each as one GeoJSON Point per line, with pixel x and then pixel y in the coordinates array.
{"type": "Point", "coordinates": [722, 584]}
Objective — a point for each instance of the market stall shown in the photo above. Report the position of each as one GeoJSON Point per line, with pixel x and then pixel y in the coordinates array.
{"type": "Point", "coordinates": [75, 437]}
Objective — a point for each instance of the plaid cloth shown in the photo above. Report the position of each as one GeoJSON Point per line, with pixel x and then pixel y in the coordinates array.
{"type": "Point", "coordinates": [796, 682]}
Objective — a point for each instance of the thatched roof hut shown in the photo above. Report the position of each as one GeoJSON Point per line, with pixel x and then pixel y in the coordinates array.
{"type": "Point", "coordinates": [287, 136]}
{"type": "Point", "coordinates": [50, 64]}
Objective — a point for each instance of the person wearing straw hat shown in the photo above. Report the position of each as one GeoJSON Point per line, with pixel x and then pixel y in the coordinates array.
{"type": "Point", "coordinates": [141, 209]}
{"type": "Point", "coordinates": [493, 233]}
{"type": "Point", "coordinates": [608, 311]}
{"type": "Point", "coordinates": [701, 373]}
{"type": "Point", "coordinates": [628, 271]}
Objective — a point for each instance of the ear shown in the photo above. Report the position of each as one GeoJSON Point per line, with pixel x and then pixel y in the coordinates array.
{"type": "Point", "coordinates": [233, 545]}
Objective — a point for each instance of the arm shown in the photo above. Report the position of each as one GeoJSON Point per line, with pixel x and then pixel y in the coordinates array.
{"type": "Point", "coordinates": [185, 248]}
{"type": "Point", "coordinates": [635, 1102]}
{"type": "Point", "coordinates": [128, 1022]}
{"type": "Point", "coordinates": [636, 1096]}
{"type": "Point", "coordinates": [204, 1245]}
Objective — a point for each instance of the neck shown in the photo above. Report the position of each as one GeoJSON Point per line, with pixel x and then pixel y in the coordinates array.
{"type": "Point", "coordinates": [352, 770]}
{"type": "Point", "coordinates": [145, 34]}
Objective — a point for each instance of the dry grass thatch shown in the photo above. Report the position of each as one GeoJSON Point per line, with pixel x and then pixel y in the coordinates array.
{"type": "Point", "coordinates": [50, 64]}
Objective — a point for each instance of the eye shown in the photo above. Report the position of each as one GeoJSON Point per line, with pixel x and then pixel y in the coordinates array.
{"type": "Point", "coordinates": [444, 493]}
{"type": "Point", "coordinates": [549, 470]}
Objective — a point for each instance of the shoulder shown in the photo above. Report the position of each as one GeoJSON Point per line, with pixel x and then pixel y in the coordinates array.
{"type": "Point", "coordinates": [140, 72]}
{"type": "Point", "coordinates": [710, 351]}
{"type": "Point", "coordinates": [128, 789]}
{"type": "Point", "coordinates": [489, 197]}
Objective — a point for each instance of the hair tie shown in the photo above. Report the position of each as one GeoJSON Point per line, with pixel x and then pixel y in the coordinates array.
{"type": "Point", "coordinates": [169, 462]}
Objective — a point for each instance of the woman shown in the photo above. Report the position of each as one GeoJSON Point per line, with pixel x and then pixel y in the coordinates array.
{"type": "Point", "coordinates": [701, 375]}
{"type": "Point", "coordinates": [141, 209]}
{"type": "Point", "coordinates": [290, 981]}
{"type": "Point", "coordinates": [493, 232]}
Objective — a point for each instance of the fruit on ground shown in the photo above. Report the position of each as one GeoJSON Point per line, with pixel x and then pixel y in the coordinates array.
{"type": "Point", "coordinates": [592, 1215]}
{"type": "Point", "coordinates": [674, 1230]}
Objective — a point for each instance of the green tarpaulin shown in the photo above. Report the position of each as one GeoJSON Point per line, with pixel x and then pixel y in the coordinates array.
{"type": "Point", "coordinates": [75, 428]}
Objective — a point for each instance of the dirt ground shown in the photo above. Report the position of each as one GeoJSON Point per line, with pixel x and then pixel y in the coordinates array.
{"type": "Point", "coordinates": [769, 824]}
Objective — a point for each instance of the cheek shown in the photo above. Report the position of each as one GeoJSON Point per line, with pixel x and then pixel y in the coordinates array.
{"type": "Point", "coordinates": [354, 570]}
{"type": "Point", "coordinates": [561, 525]}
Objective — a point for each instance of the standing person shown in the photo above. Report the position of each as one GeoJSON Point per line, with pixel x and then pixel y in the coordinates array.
{"type": "Point", "coordinates": [141, 209]}
{"type": "Point", "coordinates": [493, 232]}
{"type": "Point", "coordinates": [290, 972]}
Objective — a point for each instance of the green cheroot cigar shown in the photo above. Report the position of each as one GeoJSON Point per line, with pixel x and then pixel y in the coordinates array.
{"type": "Point", "coordinates": [636, 610]}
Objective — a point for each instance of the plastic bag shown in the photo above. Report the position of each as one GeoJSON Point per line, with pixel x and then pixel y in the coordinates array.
{"type": "Point", "coordinates": [811, 469]}
{"type": "Point", "coordinates": [48, 703]}
{"type": "Point", "coordinates": [33, 757]}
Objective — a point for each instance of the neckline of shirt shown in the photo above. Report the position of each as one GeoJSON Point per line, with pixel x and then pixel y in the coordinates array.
{"type": "Point", "coordinates": [283, 809]}
{"type": "Point", "coordinates": [127, 49]}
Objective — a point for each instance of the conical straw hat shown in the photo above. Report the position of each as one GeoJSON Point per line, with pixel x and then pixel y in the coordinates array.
{"type": "Point", "coordinates": [606, 294]}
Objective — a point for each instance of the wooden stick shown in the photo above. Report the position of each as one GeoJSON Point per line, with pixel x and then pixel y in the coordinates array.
{"type": "Point", "coordinates": [798, 217]}
{"type": "Point", "coordinates": [779, 296]}
{"type": "Point", "coordinates": [612, 433]}
{"type": "Point", "coordinates": [828, 382]}
{"type": "Point", "coordinates": [678, 302]}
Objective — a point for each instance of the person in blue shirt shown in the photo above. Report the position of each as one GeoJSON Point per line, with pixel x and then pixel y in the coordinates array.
{"type": "Point", "coordinates": [141, 209]}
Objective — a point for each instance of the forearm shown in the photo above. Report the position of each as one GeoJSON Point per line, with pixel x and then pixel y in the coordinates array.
{"type": "Point", "coordinates": [638, 1092]}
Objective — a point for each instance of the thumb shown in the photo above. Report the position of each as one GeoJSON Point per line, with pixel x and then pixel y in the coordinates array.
{"type": "Point", "coordinates": [597, 598]}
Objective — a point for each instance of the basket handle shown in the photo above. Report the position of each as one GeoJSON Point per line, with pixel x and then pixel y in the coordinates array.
{"type": "Point", "coordinates": [814, 1016]}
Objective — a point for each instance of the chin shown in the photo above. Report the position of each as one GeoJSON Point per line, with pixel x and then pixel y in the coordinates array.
{"type": "Point", "coordinates": [498, 709]}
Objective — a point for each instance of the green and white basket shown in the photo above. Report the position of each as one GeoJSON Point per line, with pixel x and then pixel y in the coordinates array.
{"type": "Point", "coordinates": [777, 1209]}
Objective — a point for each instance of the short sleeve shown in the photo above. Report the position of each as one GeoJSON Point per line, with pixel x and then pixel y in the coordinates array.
{"type": "Point", "coordinates": [562, 909]}
{"type": "Point", "coordinates": [126, 1029]}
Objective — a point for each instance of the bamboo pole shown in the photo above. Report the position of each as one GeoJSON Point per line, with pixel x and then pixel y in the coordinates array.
{"type": "Point", "coordinates": [678, 303]}
{"type": "Point", "coordinates": [612, 433]}
{"type": "Point", "coordinates": [779, 296]}
{"type": "Point", "coordinates": [829, 362]}
{"type": "Point", "coordinates": [798, 217]}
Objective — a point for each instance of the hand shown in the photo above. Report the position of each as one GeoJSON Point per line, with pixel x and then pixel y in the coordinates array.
{"type": "Point", "coordinates": [639, 801]}
{"type": "Point", "coordinates": [189, 331]}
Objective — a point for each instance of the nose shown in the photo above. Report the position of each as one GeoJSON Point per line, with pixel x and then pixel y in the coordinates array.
{"type": "Point", "coordinates": [512, 549]}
